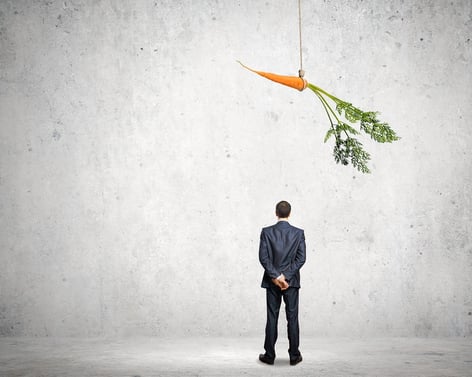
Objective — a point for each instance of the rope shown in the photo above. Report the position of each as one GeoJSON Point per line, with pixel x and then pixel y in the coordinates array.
{"type": "Point", "coordinates": [301, 72]}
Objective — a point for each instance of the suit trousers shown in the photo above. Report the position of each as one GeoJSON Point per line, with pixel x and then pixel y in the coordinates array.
{"type": "Point", "coordinates": [274, 299]}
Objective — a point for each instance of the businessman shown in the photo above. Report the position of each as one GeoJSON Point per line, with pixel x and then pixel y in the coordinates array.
{"type": "Point", "coordinates": [282, 253]}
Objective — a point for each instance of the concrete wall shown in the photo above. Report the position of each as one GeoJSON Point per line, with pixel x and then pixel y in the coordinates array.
{"type": "Point", "coordinates": [139, 161]}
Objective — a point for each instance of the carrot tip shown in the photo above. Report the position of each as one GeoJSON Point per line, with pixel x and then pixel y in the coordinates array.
{"type": "Point", "coordinates": [245, 66]}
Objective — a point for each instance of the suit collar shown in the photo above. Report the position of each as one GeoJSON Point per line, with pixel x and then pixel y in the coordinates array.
{"type": "Point", "coordinates": [282, 223]}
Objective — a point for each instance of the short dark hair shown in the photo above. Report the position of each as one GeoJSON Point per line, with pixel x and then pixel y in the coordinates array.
{"type": "Point", "coordinates": [282, 209]}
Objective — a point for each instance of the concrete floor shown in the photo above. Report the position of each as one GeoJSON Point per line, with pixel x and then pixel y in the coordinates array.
{"type": "Point", "coordinates": [132, 357]}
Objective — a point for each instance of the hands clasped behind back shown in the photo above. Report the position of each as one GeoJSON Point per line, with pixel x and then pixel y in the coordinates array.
{"type": "Point", "coordinates": [281, 282]}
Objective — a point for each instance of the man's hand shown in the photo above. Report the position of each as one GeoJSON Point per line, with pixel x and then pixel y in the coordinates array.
{"type": "Point", "coordinates": [281, 282]}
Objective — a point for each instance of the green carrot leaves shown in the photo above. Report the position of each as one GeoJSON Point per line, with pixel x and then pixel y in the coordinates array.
{"type": "Point", "coordinates": [348, 149]}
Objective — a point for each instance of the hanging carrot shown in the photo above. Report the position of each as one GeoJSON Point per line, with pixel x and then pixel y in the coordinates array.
{"type": "Point", "coordinates": [347, 148]}
{"type": "Point", "coordinates": [291, 81]}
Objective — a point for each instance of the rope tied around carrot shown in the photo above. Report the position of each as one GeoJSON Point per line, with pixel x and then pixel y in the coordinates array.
{"type": "Point", "coordinates": [347, 149]}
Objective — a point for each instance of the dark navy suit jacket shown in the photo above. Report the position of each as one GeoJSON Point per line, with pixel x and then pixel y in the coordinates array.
{"type": "Point", "coordinates": [282, 250]}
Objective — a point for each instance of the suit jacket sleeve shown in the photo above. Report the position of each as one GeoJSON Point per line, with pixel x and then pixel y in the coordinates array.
{"type": "Point", "coordinates": [299, 260]}
{"type": "Point", "coordinates": [265, 259]}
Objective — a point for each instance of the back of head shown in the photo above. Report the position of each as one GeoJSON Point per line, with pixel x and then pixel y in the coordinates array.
{"type": "Point", "coordinates": [282, 209]}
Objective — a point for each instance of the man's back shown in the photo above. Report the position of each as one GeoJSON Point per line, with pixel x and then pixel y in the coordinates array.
{"type": "Point", "coordinates": [282, 251]}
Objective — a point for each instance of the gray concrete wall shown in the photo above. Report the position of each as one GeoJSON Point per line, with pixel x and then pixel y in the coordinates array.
{"type": "Point", "coordinates": [139, 161]}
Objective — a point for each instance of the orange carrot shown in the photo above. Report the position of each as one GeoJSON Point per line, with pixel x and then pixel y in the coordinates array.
{"type": "Point", "coordinates": [291, 81]}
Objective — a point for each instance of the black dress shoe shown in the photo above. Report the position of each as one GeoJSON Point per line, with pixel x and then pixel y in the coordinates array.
{"type": "Point", "coordinates": [266, 359]}
{"type": "Point", "coordinates": [297, 360]}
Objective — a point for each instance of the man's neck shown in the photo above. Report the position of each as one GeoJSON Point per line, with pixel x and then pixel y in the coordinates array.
{"type": "Point", "coordinates": [282, 219]}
